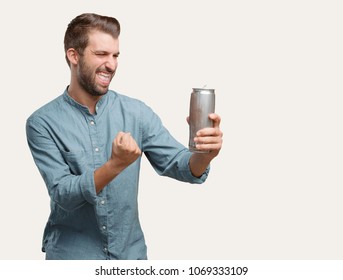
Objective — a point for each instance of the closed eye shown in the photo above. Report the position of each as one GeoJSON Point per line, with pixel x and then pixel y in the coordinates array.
{"type": "Point", "coordinates": [103, 53]}
{"type": "Point", "coordinates": [100, 53]}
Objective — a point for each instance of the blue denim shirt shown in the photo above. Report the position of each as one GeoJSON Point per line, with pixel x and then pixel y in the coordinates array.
{"type": "Point", "coordinates": [67, 144]}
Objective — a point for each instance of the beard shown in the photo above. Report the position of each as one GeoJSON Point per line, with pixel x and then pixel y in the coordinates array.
{"type": "Point", "coordinates": [87, 79]}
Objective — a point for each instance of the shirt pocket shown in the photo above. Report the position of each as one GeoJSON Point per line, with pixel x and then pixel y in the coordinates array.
{"type": "Point", "coordinates": [77, 161]}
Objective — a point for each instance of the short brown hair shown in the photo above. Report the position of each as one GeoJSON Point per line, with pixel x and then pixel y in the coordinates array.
{"type": "Point", "coordinates": [76, 35]}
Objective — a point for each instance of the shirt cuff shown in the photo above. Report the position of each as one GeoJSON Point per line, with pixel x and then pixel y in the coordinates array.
{"type": "Point", "coordinates": [87, 186]}
{"type": "Point", "coordinates": [186, 172]}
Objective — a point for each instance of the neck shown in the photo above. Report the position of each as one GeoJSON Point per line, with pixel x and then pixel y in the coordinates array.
{"type": "Point", "coordinates": [83, 97]}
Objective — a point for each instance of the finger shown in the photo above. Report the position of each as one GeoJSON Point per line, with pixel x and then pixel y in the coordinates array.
{"type": "Point", "coordinates": [126, 137]}
{"type": "Point", "coordinates": [208, 140]}
{"type": "Point", "coordinates": [119, 137]}
{"type": "Point", "coordinates": [215, 118]}
{"type": "Point", "coordinates": [129, 143]}
{"type": "Point", "coordinates": [123, 138]}
{"type": "Point", "coordinates": [209, 131]}
{"type": "Point", "coordinates": [209, 147]}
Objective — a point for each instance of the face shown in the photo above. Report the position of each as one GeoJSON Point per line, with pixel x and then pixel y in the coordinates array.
{"type": "Point", "coordinates": [98, 63]}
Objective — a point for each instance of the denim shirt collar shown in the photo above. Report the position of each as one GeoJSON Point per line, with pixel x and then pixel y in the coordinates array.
{"type": "Point", "coordinates": [98, 108]}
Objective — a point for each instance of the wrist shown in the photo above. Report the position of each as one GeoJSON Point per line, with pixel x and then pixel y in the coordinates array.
{"type": "Point", "coordinates": [113, 166]}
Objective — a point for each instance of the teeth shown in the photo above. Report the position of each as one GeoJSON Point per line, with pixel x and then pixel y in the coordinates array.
{"type": "Point", "coordinates": [104, 76]}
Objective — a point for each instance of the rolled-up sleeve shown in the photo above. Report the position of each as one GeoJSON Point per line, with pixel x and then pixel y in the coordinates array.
{"type": "Point", "coordinates": [68, 190]}
{"type": "Point", "coordinates": [167, 156]}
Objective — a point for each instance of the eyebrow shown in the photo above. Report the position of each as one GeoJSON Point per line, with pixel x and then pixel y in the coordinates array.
{"type": "Point", "coordinates": [104, 52]}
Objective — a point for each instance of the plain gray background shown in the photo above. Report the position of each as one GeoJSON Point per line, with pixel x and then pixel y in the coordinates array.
{"type": "Point", "coordinates": [275, 191]}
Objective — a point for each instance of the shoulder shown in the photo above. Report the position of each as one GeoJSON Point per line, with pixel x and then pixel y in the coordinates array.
{"type": "Point", "coordinates": [128, 103]}
{"type": "Point", "coordinates": [47, 110]}
{"type": "Point", "coordinates": [115, 96]}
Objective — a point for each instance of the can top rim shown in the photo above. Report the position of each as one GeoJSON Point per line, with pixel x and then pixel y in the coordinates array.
{"type": "Point", "coordinates": [204, 89]}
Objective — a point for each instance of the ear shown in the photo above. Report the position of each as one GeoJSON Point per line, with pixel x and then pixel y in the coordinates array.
{"type": "Point", "coordinates": [72, 56]}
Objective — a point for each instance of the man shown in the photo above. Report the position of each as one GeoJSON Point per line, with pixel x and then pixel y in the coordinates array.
{"type": "Point", "coordinates": [87, 144]}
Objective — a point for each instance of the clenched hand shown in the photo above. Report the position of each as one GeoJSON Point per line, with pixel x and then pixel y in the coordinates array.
{"type": "Point", "coordinates": [124, 152]}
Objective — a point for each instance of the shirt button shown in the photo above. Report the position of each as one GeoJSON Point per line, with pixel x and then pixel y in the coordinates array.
{"type": "Point", "coordinates": [102, 202]}
{"type": "Point", "coordinates": [103, 227]}
{"type": "Point", "coordinates": [96, 149]}
{"type": "Point", "coordinates": [92, 122]}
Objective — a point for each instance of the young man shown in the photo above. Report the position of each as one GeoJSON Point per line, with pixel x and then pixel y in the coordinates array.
{"type": "Point", "coordinates": [87, 144]}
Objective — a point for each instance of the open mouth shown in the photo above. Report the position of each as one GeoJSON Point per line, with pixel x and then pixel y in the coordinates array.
{"type": "Point", "coordinates": [104, 78]}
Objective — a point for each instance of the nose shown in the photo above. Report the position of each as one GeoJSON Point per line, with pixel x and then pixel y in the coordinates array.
{"type": "Point", "coordinates": [111, 64]}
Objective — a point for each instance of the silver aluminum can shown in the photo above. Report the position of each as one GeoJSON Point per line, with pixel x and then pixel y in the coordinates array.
{"type": "Point", "coordinates": [202, 104]}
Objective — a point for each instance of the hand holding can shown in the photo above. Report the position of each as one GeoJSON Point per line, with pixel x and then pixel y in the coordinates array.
{"type": "Point", "coordinates": [202, 104]}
